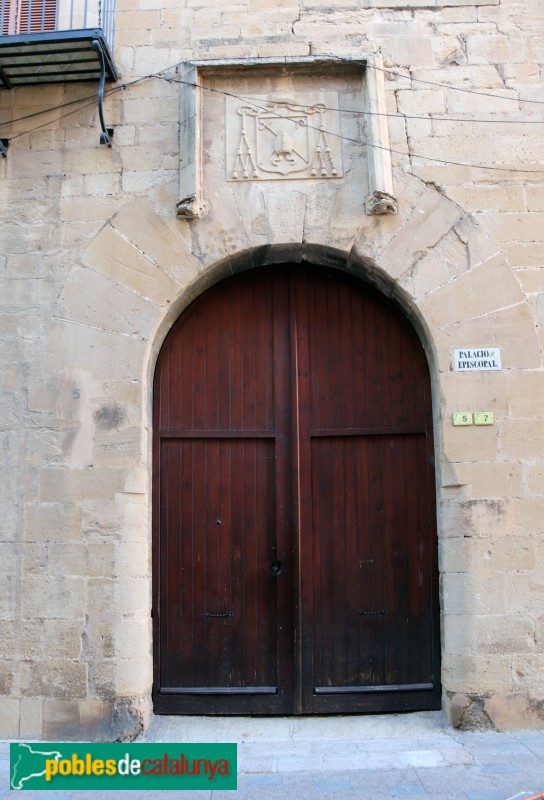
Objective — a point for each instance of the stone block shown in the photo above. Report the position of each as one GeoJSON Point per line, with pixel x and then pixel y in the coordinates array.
{"type": "Point", "coordinates": [9, 718]}
{"type": "Point", "coordinates": [459, 634]}
{"type": "Point", "coordinates": [528, 671]}
{"type": "Point", "coordinates": [488, 198]}
{"type": "Point", "coordinates": [105, 354]}
{"type": "Point", "coordinates": [534, 479]}
{"type": "Point", "coordinates": [421, 101]}
{"type": "Point", "coordinates": [525, 594]}
{"type": "Point", "coordinates": [103, 519]}
{"type": "Point", "coordinates": [487, 287]}
{"type": "Point", "coordinates": [100, 638]}
{"type": "Point", "coordinates": [80, 485]}
{"type": "Point", "coordinates": [539, 632]}
{"type": "Point", "coordinates": [52, 522]}
{"type": "Point", "coordinates": [409, 51]}
{"type": "Point", "coordinates": [482, 592]}
{"type": "Point", "coordinates": [535, 197]}
{"type": "Point", "coordinates": [31, 724]}
{"type": "Point", "coordinates": [133, 677]}
{"type": "Point", "coordinates": [521, 439]}
{"type": "Point", "coordinates": [136, 182]}
{"type": "Point", "coordinates": [95, 720]}
{"type": "Point", "coordinates": [62, 638]}
{"type": "Point", "coordinates": [29, 638]}
{"type": "Point", "coordinates": [60, 720]}
{"type": "Point", "coordinates": [133, 559]}
{"type": "Point", "coordinates": [117, 447]}
{"type": "Point", "coordinates": [133, 639]}
{"type": "Point", "coordinates": [9, 558]}
{"type": "Point", "coordinates": [89, 208]}
{"type": "Point", "coordinates": [54, 679]}
{"type": "Point", "coordinates": [512, 553]}
{"type": "Point", "coordinates": [33, 165]}
{"type": "Point", "coordinates": [148, 231]}
{"type": "Point", "coordinates": [103, 678]}
{"type": "Point", "coordinates": [51, 599]}
{"type": "Point", "coordinates": [92, 160]}
{"type": "Point", "coordinates": [34, 559]}
{"type": "Point", "coordinates": [432, 218]}
{"type": "Point", "coordinates": [526, 393]}
{"type": "Point", "coordinates": [514, 711]}
{"type": "Point", "coordinates": [468, 443]}
{"type": "Point", "coordinates": [531, 280]}
{"type": "Point", "coordinates": [505, 635]}
{"type": "Point", "coordinates": [491, 478]}
{"type": "Point", "coordinates": [103, 183]}
{"type": "Point", "coordinates": [511, 329]}
{"type": "Point", "coordinates": [494, 49]}
{"type": "Point", "coordinates": [506, 227]}
{"type": "Point", "coordinates": [6, 676]}
{"type": "Point", "coordinates": [101, 597]}
{"type": "Point", "coordinates": [529, 512]}
{"type": "Point", "coordinates": [132, 595]}
{"type": "Point", "coordinates": [114, 255]}
{"type": "Point", "coordinates": [477, 674]}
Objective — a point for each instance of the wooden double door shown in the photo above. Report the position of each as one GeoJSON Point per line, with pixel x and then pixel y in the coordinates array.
{"type": "Point", "coordinates": [294, 513]}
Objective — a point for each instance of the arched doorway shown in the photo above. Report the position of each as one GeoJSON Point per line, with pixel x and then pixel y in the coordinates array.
{"type": "Point", "coordinates": [295, 556]}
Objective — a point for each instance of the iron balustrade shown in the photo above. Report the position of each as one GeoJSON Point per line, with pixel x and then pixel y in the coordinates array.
{"type": "Point", "coordinates": [47, 16]}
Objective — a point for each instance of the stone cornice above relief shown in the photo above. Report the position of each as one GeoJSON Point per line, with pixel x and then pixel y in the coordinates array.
{"type": "Point", "coordinates": [264, 143]}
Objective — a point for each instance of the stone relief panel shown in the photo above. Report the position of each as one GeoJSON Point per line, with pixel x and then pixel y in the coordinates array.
{"type": "Point", "coordinates": [271, 138]}
{"type": "Point", "coordinates": [316, 126]}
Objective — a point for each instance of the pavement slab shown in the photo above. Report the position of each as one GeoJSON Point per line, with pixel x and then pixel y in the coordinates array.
{"type": "Point", "coordinates": [414, 755]}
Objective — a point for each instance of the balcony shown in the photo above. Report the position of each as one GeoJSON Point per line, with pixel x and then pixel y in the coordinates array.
{"type": "Point", "coordinates": [56, 41]}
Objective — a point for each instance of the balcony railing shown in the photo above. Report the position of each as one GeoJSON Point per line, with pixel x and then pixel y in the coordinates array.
{"type": "Point", "coordinates": [53, 41]}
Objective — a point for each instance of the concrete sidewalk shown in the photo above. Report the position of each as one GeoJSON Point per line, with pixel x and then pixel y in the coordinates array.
{"type": "Point", "coordinates": [363, 757]}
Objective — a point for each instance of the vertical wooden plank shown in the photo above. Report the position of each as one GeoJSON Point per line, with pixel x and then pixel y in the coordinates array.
{"type": "Point", "coordinates": [211, 369]}
{"type": "Point", "coordinates": [224, 348]}
{"type": "Point", "coordinates": [371, 387]}
{"type": "Point", "coordinates": [285, 587]}
{"type": "Point", "coordinates": [183, 377]}
{"type": "Point", "coordinates": [198, 534]}
{"type": "Point", "coordinates": [236, 361]}
{"type": "Point", "coordinates": [188, 576]}
{"type": "Point", "coordinates": [304, 415]}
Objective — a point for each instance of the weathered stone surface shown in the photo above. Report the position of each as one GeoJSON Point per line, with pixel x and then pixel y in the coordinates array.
{"type": "Point", "coordinates": [432, 219]}
{"type": "Point", "coordinates": [114, 255]}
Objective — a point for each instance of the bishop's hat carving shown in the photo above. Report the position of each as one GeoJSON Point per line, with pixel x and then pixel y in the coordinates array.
{"type": "Point", "coordinates": [283, 138]}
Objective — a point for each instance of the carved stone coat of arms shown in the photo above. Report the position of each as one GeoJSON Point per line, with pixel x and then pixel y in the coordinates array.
{"type": "Point", "coordinates": [272, 138]}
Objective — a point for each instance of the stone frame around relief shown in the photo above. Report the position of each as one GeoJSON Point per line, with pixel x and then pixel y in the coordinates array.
{"type": "Point", "coordinates": [380, 198]}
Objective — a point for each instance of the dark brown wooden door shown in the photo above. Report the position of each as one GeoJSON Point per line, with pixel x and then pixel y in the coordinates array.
{"type": "Point", "coordinates": [294, 518]}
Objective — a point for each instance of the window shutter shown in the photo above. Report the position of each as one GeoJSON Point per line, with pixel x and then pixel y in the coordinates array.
{"type": "Point", "coordinates": [7, 9]}
{"type": "Point", "coordinates": [37, 15]}
{"type": "Point", "coordinates": [28, 16]}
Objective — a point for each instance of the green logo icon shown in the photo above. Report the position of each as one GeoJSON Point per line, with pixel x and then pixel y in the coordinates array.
{"type": "Point", "coordinates": [46, 765]}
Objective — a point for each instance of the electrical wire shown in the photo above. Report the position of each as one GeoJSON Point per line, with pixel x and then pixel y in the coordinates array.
{"type": "Point", "coordinates": [343, 59]}
{"type": "Point", "coordinates": [434, 83]}
{"type": "Point", "coordinates": [360, 141]}
{"type": "Point", "coordinates": [161, 75]}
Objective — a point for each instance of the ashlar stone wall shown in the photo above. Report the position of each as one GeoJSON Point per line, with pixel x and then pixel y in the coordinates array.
{"type": "Point", "coordinates": [95, 265]}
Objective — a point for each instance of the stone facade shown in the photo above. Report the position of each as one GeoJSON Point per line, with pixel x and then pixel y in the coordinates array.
{"type": "Point", "coordinates": [96, 265]}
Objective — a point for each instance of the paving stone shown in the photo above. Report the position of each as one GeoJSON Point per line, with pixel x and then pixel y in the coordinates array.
{"type": "Point", "coordinates": [497, 769]}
